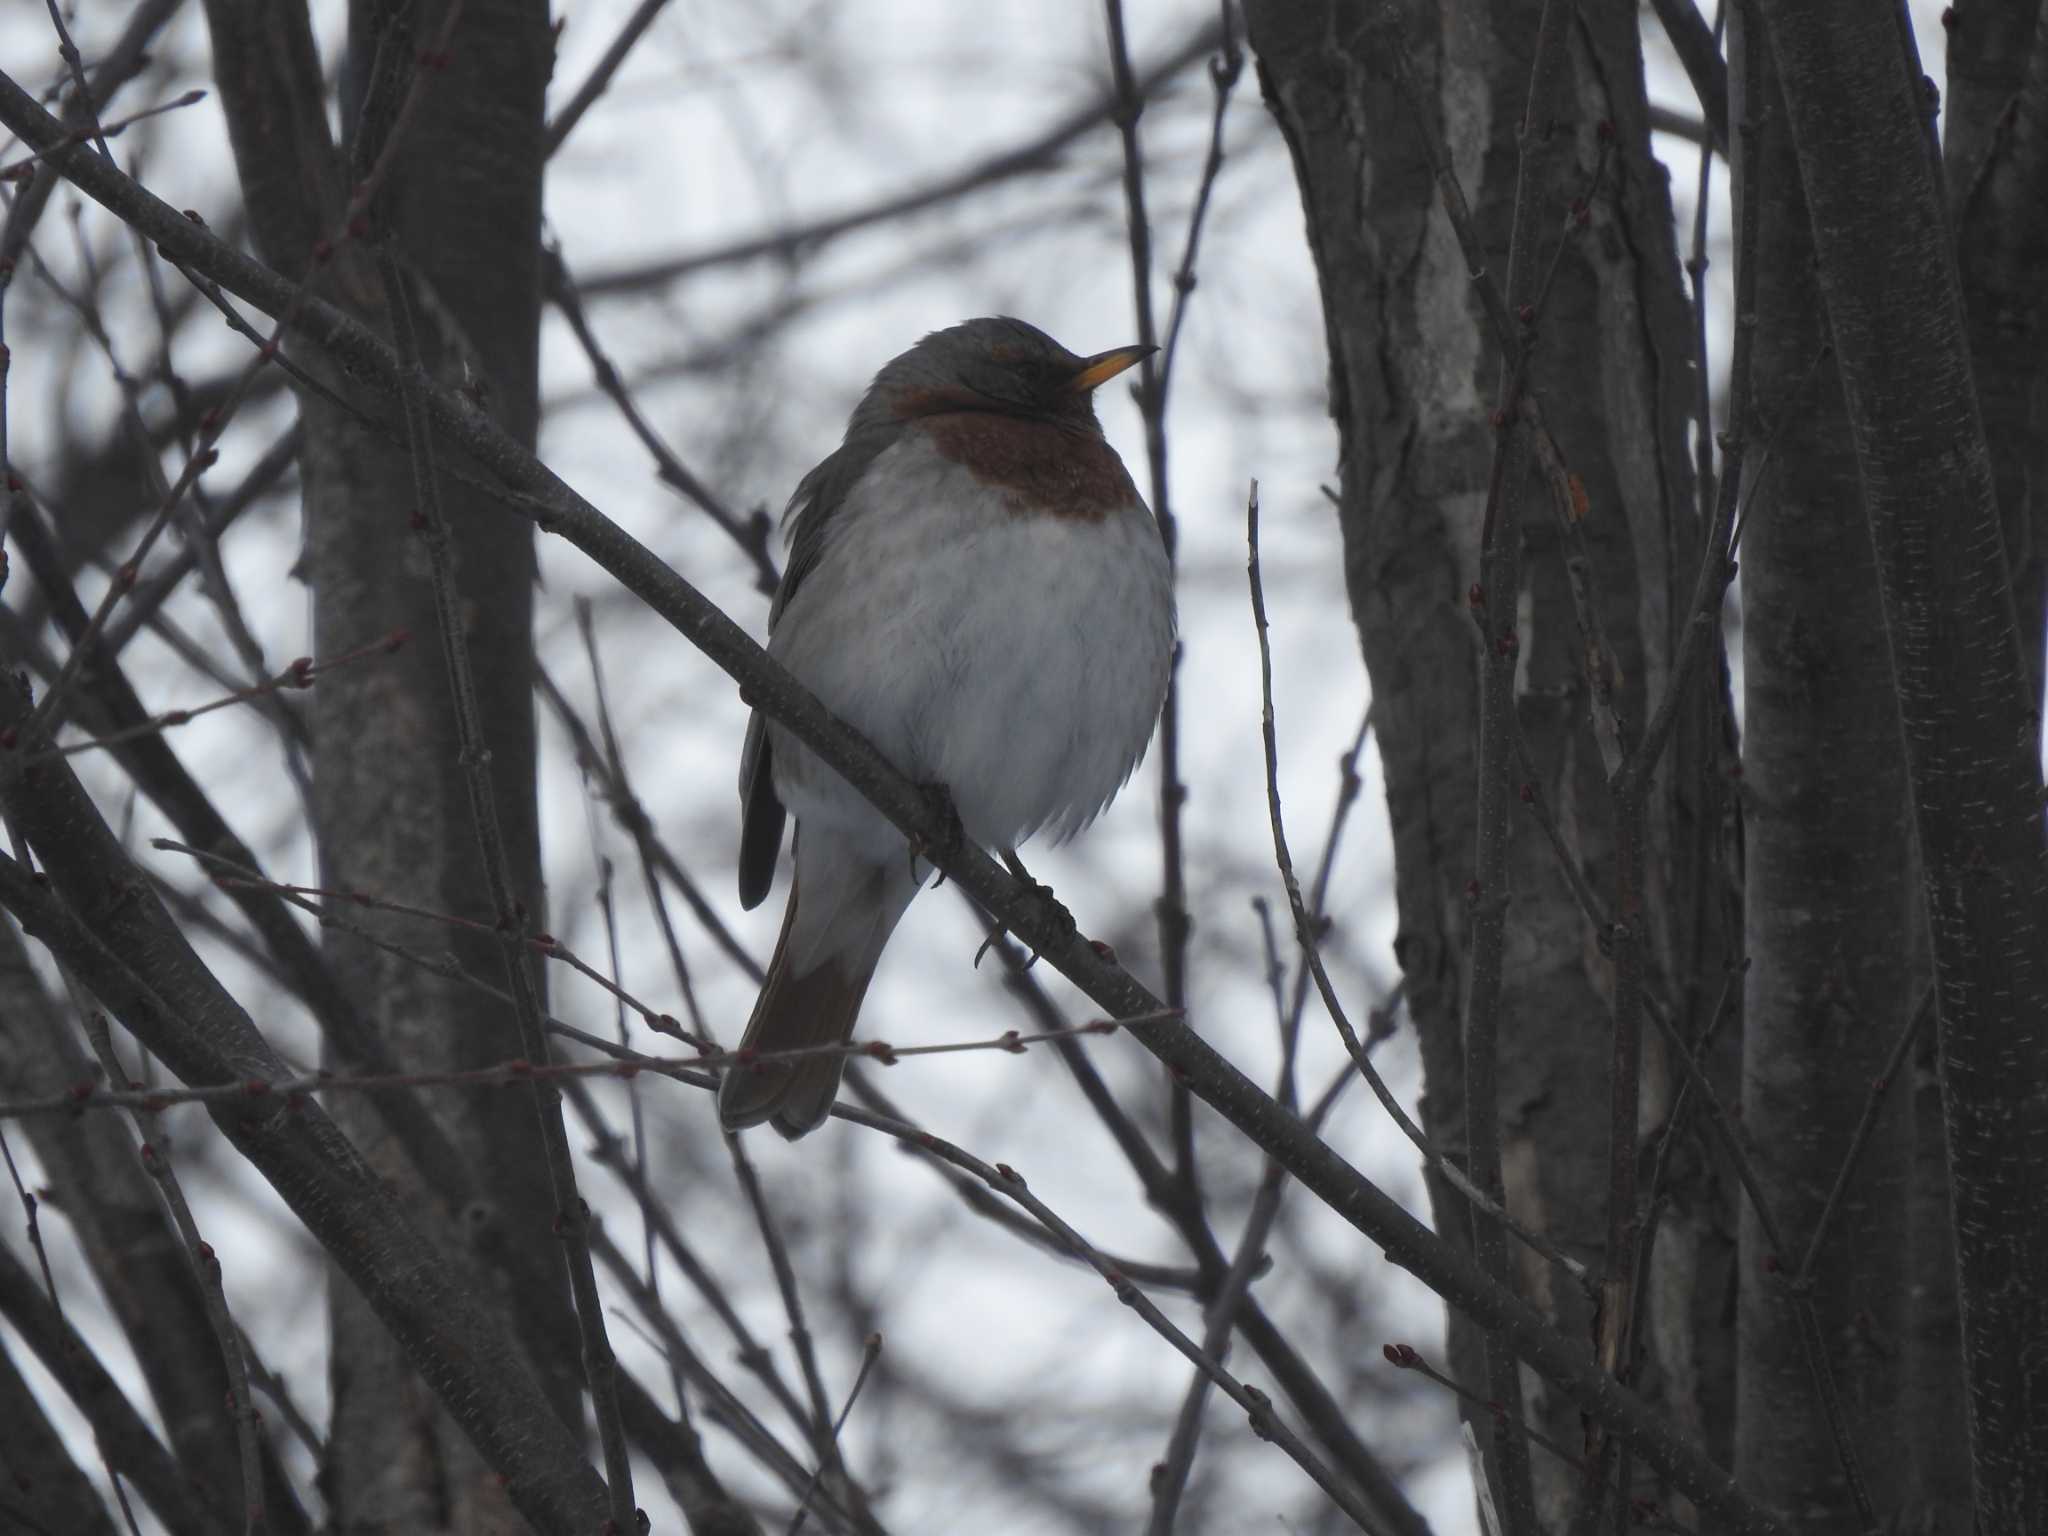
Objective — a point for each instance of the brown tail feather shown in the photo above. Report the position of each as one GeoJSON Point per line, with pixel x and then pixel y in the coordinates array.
{"type": "Point", "coordinates": [817, 1008]}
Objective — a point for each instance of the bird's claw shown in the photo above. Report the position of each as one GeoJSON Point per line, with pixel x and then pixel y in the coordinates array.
{"type": "Point", "coordinates": [952, 836]}
{"type": "Point", "coordinates": [1043, 895]}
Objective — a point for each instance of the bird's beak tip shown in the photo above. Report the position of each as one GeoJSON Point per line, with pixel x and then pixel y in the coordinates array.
{"type": "Point", "coordinates": [1104, 366]}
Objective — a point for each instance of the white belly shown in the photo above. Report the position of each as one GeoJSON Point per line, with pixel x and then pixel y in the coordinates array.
{"type": "Point", "coordinates": [1019, 661]}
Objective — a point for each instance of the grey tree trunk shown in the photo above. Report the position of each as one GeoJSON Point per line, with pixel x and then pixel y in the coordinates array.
{"type": "Point", "coordinates": [1887, 269]}
{"type": "Point", "coordinates": [1832, 903]}
{"type": "Point", "coordinates": [1995, 159]}
{"type": "Point", "coordinates": [460, 206]}
{"type": "Point", "coordinates": [1412, 373]}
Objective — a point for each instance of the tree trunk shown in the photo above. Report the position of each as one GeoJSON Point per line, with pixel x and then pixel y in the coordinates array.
{"type": "Point", "coordinates": [459, 203]}
{"type": "Point", "coordinates": [1883, 242]}
{"type": "Point", "coordinates": [1831, 902]}
{"type": "Point", "coordinates": [1412, 373]}
{"type": "Point", "coordinates": [1995, 153]}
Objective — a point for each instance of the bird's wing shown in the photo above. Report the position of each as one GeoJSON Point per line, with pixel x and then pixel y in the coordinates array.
{"type": "Point", "coordinates": [761, 815]}
{"type": "Point", "coordinates": [818, 498]}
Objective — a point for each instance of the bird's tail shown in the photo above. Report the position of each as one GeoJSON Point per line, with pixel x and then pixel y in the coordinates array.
{"type": "Point", "coordinates": [842, 909]}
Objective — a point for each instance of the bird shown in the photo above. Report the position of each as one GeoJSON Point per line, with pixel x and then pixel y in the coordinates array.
{"type": "Point", "coordinates": [975, 585]}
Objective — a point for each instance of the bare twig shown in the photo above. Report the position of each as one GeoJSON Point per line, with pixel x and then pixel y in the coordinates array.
{"type": "Point", "coordinates": [19, 170]}
{"type": "Point", "coordinates": [1403, 1357]}
{"type": "Point", "coordinates": [154, 589]}
{"type": "Point", "coordinates": [301, 674]}
{"type": "Point", "coordinates": [1006, 1181]}
{"type": "Point", "coordinates": [205, 453]}
{"type": "Point", "coordinates": [870, 1351]}
{"type": "Point", "coordinates": [1172, 906]}
{"type": "Point", "coordinates": [1040, 153]}
{"type": "Point", "coordinates": [229, 874]}
{"type": "Point", "coordinates": [127, 1443]}
{"type": "Point", "coordinates": [1916, 1021]}
{"type": "Point", "coordinates": [822, 1438]}
{"type": "Point", "coordinates": [723, 1404]}
{"type": "Point", "coordinates": [657, 862]}
{"type": "Point", "coordinates": [564, 122]}
{"type": "Point", "coordinates": [622, 1062]}
{"type": "Point", "coordinates": [751, 534]}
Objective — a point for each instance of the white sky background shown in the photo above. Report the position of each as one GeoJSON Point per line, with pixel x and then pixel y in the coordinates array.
{"type": "Point", "coordinates": [730, 120]}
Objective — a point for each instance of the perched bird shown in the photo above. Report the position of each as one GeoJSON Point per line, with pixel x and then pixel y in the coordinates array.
{"type": "Point", "coordinates": [975, 585]}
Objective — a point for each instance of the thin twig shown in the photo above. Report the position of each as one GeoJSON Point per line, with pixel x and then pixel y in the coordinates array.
{"type": "Point", "coordinates": [612, 773]}
{"type": "Point", "coordinates": [1266, 1424]}
{"type": "Point", "coordinates": [723, 1403]}
{"type": "Point", "coordinates": [750, 534]}
{"type": "Point", "coordinates": [622, 1063]}
{"type": "Point", "coordinates": [1175, 924]}
{"type": "Point", "coordinates": [301, 674]}
{"type": "Point", "coordinates": [206, 453]}
{"type": "Point", "coordinates": [1161, 1277]}
{"type": "Point", "coordinates": [190, 511]}
{"type": "Point", "coordinates": [18, 170]}
{"type": "Point", "coordinates": [870, 1351]}
{"type": "Point", "coordinates": [564, 122]}
{"type": "Point", "coordinates": [750, 1352]}
{"type": "Point", "coordinates": [1404, 1357]}
{"type": "Point", "coordinates": [820, 1423]}
{"type": "Point", "coordinates": [1860, 1137]}
{"type": "Point", "coordinates": [608, 911]}
{"type": "Point", "coordinates": [154, 589]}
{"type": "Point", "coordinates": [230, 874]}
{"type": "Point", "coordinates": [657, 861]}
{"type": "Point", "coordinates": [1042, 152]}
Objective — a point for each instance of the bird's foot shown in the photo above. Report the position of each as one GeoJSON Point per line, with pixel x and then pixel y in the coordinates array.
{"type": "Point", "coordinates": [1063, 920]}
{"type": "Point", "coordinates": [952, 836]}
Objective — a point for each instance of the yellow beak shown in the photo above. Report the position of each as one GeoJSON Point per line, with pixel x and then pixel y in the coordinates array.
{"type": "Point", "coordinates": [1104, 366]}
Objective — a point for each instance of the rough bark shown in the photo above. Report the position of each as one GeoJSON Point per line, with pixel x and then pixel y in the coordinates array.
{"type": "Point", "coordinates": [1831, 897]}
{"type": "Point", "coordinates": [1887, 269]}
{"type": "Point", "coordinates": [1995, 153]}
{"type": "Point", "coordinates": [1995, 158]}
{"type": "Point", "coordinates": [460, 201]}
{"type": "Point", "coordinates": [390, 807]}
{"type": "Point", "coordinates": [1411, 372]}
{"type": "Point", "coordinates": [1936, 1404]}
